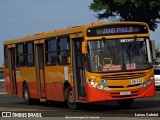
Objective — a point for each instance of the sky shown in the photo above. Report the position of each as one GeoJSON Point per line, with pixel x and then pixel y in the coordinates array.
{"type": "Point", "coordinates": [19, 18]}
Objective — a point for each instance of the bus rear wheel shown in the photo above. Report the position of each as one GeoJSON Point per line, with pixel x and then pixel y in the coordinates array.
{"type": "Point", "coordinates": [26, 94]}
{"type": "Point", "coordinates": [69, 99]}
{"type": "Point", "coordinates": [125, 103]}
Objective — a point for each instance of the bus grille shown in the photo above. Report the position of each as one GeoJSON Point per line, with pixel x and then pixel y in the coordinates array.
{"type": "Point", "coordinates": [123, 86]}
{"type": "Point", "coordinates": [124, 76]}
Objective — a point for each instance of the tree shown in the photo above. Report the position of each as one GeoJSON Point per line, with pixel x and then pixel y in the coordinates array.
{"type": "Point", "coordinates": [128, 10]}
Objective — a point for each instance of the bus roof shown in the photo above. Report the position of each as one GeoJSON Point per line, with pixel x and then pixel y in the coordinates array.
{"type": "Point", "coordinates": [63, 32]}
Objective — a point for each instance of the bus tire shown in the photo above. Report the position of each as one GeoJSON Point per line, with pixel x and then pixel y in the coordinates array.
{"type": "Point", "coordinates": [125, 103]}
{"type": "Point", "coordinates": [69, 99]}
{"type": "Point", "coordinates": [26, 95]}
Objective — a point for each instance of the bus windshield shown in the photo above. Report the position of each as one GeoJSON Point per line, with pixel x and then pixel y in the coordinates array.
{"type": "Point", "coordinates": [117, 55]}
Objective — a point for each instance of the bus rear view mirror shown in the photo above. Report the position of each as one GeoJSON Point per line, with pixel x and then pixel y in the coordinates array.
{"type": "Point", "coordinates": [84, 47]}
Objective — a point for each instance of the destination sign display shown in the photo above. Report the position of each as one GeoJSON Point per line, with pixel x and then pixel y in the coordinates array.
{"type": "Point", "coordinates": [117, 29]}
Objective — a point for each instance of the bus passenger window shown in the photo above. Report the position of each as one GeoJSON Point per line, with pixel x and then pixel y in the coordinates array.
{"type": "Point", "coordinates": [64, 56]}
{"type": "Point", "coordinates": [51, 51]}
{"type": "Point", "coordinates": [20, 55]}
{"type": "Point", "coordinates": [30, 54]}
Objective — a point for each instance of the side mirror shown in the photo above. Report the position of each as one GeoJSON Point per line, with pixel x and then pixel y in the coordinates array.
{"type": "Point", "coordinates": [84, 47]}
{"type": "Point", "coordinates": [153, 49]}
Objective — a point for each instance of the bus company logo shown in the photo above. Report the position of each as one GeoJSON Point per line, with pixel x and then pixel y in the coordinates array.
{"type": "Point", "coordinates": [6, 114]}
{"type": "Point", "coordinates": [104, 82]}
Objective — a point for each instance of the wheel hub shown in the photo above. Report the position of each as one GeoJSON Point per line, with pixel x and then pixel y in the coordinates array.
{"type": "Point", "coordinates": [71, 99]}
{"type": "Point", "coordinates": [25, 95]}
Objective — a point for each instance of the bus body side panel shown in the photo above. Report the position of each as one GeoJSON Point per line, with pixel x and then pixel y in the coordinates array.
{"type": "Point", "coordinates": [32, 81]}
{"type": "Point", "coordinates": [20, 75]}
{"type": "Point", "coordinates": [55, 91]}
{"type": "Point", "coordinates": [33, 90]}
{"type": "Point", "coordinates": [54, 82]}
{"type": "Point", "coordinates": [20, 89]}
{"type": "Point", "coordinates": [7, 81]}
{"type": "Point", "coordinates": [26, 75]}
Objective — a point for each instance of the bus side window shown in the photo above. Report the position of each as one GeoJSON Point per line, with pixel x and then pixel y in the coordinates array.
{"type": "Point", "coordinates": [20, 55]}
{"type": "Point", "coordinates": [30, 54]}
{"type": "Point", "coordinates": [64, 56]}
{"type": "Point", "coordinates": [51, 52]}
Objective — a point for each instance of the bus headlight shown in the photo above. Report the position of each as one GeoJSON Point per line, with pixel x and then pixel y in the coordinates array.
{"type": "Point", "coordinates": [98, 86]}
{"type": "Point", "coordinates": [146, 83]}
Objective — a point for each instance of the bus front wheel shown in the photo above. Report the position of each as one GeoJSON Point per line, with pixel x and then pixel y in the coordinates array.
{"type": "Point", "coordinates": [70, 99]}
{"type": "Point", "coordinates": [125, 103]}
{"type": "Point", "coordinates": [26, 94]}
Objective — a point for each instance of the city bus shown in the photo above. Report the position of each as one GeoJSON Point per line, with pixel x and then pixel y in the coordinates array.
{"type": "Point", "coordinates": [99, 62]}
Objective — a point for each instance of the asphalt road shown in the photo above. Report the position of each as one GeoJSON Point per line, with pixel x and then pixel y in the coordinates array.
{"type": "Point", "coordinates": [143, 106]}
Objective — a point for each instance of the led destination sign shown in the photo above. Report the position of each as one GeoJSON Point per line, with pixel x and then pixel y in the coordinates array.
{"type": "Point", "coordinates": [116, 30]}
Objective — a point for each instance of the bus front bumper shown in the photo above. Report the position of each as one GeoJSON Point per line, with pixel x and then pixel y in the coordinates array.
{"type": "Point", "coordinates": [96, 95]}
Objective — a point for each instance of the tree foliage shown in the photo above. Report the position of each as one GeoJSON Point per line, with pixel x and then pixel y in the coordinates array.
{"type": "Point", "coordinates": [128, 10]}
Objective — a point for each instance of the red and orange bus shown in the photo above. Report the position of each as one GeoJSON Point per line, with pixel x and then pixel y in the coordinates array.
{"type": "Point", "coordinates": [102, 61]}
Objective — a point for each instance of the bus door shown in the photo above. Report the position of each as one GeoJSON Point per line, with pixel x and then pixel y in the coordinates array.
{"type": "Point", "coordinates": [78, 69]}
{"type": "Point", "coordinates": [12, 71]}
{"type": "Point", "coordinates": [40, 69]}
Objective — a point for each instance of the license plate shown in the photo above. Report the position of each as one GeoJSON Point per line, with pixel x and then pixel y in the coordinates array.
{"type": "Point", "coordinates": [137, 81]}
{"type": "Point", "coordinates": [125, 92]}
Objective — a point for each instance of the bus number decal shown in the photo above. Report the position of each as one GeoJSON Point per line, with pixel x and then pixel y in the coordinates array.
{"type": "Point", "coordinates": [137, 81]}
